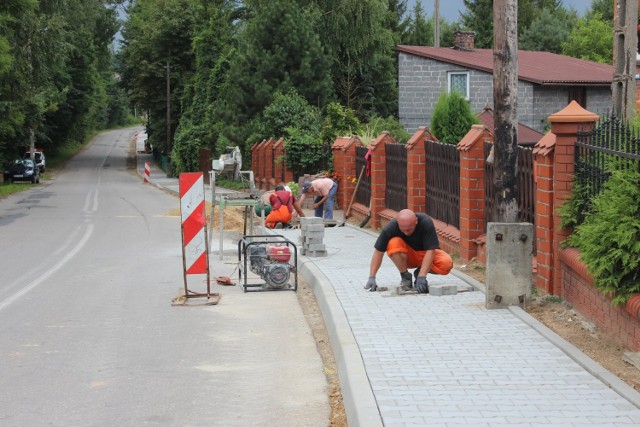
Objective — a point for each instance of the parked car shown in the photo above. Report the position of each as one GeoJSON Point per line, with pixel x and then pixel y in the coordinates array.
{"type": "Point", "coordinates": [39, 157]}
{"type": "Point", "coordinates": [22, 170]}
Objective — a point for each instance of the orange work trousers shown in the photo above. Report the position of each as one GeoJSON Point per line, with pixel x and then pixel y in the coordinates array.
{"type": "Point", "coordinates": [442, 262]}
{"type": "Point", "coordinates": [281, 214]}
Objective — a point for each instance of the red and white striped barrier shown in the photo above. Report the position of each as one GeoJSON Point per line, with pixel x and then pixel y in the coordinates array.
{"type": "Point", "coordinates": [147, 171]}
{"type": "Point", "coordinates": [192, 211]}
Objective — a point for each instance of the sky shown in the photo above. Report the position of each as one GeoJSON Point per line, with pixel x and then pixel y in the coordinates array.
{"type": "Point", "coordinates": [450, 9]}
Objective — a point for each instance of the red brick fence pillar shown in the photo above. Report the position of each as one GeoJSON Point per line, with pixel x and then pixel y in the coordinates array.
{"type": "Point", "coordinates": [344, 164]}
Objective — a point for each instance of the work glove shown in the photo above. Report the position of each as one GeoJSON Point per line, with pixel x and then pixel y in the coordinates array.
{"type": "Point", "coordinates": [371, 284]}
{"type": "Point", "coordinates": [422, 286]}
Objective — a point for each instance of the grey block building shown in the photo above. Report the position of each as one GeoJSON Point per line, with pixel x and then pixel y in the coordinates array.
{"type": "Point", "coordinates": [547, 82]}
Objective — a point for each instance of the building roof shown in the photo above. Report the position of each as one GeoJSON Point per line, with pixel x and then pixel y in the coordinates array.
{"type": "Point", "coordinates": [543, 68]}
{"type": "Point", "coordinates": [526, 135]}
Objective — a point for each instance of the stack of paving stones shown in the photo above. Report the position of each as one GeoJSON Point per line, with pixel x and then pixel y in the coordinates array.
{"type": "Point", "coordinates": [311, 236]}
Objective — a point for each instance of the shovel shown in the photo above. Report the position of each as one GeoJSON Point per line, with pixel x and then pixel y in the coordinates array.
{"type": "Point", "coordinates": [355, 190]}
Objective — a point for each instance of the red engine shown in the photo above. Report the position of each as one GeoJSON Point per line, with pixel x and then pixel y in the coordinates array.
{"type": "Point", "coordinates": [280, 253]}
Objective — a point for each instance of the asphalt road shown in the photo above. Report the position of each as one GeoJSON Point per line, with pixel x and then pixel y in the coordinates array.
{"type": "Point", "coordinates": [89, 263]}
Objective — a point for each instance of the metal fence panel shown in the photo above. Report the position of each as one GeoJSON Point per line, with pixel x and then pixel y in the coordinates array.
{"type": "Point", "coordinates": [396, 168]}
{"type": "Point", "coordinates": [363, 195]}
{"type": "Point", "coordinates": [526, 187]}
{"type": "Point", "coordinates": [443, 182]}
{"type": "Point", "coordinates": [610, 142]}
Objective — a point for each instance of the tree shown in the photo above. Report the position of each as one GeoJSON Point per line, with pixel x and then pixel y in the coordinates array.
{"type": "Point", "coordinates": [420, 30]}
{"type": "Point", "coordinates": [603, 7]}
{"type": "Point", "coordinates": [397, 22]}
{"type": "Point", "coordinates": [591, 39]}
{"type": "Point", "coordinates": [278, 50]}
{"type": "Point", "coordinates": [292, 117]}
{"type": "Point", "coordinates": [447, 30]}
{"type": "Point", "coordinates": [200, 125]}
{"type": "Point", "coordinates": [286, 111]}
{"type": "Point", "coordinates": [546, 33]}
{"type": "Point", "coordinates": [54, 75]}
{"type": "Point", "coordinates": [339, 121]}
{"type": "Point", "coordinates": [452, 118]}
{"type": "Point", "coordinates": [158, 34]}
{"type": "Point", "coordinates": [362, 50]}
{"type": "Point", "coordinates": [479, 17]}
{"type": "Point", "coordinates": [89, 72]}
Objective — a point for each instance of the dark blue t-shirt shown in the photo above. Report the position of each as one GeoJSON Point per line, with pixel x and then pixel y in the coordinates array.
{"type": "Point", "coordinates": [423, 238]}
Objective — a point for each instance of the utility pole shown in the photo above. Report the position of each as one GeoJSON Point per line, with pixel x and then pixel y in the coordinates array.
{"type": "Point", "coordinates": [505, 104]}
{"type": "Point", "coordinates": [168, 67]}
{"type": "Point", "coordinates": [509, 243]}
{"type": "Point", "coordinates": [625, 48]}
{"type": "Point", "coordinates": [436, 24]}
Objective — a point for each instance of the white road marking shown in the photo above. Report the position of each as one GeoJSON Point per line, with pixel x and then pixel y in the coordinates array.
{"type": "Point", "coordinates": [13, 298]}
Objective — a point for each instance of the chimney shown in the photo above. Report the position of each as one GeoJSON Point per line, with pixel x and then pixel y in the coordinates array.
{"type": "Point", "coordinates": [464, 40]}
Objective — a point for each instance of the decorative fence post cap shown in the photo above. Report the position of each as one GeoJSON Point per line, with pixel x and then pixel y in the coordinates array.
{"type": "Point", "coordinates": [573, 113]}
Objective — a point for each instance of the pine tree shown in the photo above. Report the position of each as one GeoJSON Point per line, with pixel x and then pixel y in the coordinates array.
{"type": "Point", "coordinates": [420, 31]}
{"type": "Point", "coordinates": [278, 50]}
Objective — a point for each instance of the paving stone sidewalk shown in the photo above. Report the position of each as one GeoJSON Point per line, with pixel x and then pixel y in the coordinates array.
{"type": "Point", "coordinates": [441, 361]}
{"type": "Point", "coordinates": [422, 360]}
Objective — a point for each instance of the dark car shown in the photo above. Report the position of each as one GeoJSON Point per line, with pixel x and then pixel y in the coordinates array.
{"type": "Point", "coordinates": [22, 170]}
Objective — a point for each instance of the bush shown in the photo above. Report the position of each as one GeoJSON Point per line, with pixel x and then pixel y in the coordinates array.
{"type": "Point", "coordinates": [288, 110]}
{"type": "Point", "coordinates": [185, 151]}
{"type": "Point", "coordinates": [305, 151]}
{"type": "Point", "coordinates": [609, 238]}
{"type": "Point", "coordinates": [452, 118]}
{"type": "Point", "coordinates": [376, 125]}
{"type": "Point", "coordinates": [339, 121]}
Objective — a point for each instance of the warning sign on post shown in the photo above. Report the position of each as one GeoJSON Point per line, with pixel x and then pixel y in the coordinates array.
{"type": "Point", "coordinates": [195, 253]}
{"type": "Point", "coordinates": [192, 211]}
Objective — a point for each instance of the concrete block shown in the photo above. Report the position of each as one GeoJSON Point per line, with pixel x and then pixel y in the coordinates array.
{"type": "Point", "coordinates": [314, 234]}
{"type": "Point", "coordinates": [310, 220]}
{"type": "Point", "coordinates": [315, 247]}
{"type": "Point", "coordinates": [316, 253]}
{"type": "Point", "coordinates": [465, 287]}
{"type": "Point", "coordinates": [440, 290]}
{"type": "Point", "coordinates": [312, 240]}
{"type": "Point", "coordinates": [313, 228]}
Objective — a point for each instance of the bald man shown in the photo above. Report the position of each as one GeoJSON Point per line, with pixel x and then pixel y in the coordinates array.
{"type": "Point", "coordinates": [410, 241]}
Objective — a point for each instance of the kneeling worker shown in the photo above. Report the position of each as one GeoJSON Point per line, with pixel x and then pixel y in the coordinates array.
{"type": "Point", "coordinates": [410, 241]}
{"type": "Point", "coordinates": [282, 205]}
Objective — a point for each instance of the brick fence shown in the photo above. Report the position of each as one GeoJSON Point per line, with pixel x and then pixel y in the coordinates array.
{"type": "Point", "coordinates": [555, 271]}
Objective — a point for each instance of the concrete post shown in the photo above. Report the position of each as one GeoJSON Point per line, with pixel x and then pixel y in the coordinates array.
{"type": "Point", "coordinates": [509, 250]}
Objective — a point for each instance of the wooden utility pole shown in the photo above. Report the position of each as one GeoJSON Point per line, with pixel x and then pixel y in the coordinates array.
{"type": "Point", "coordinates": [505, 104]}
{"type": "Point", "coordinates": [625, 48]}
{"type": "Point", "coordinates": [436, 24]}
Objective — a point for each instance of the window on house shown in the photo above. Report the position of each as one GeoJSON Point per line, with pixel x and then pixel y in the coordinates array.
{"type": "Point", "coordinates": [579, 94]}
{"type": "Point", "coordinates": [459, 82]}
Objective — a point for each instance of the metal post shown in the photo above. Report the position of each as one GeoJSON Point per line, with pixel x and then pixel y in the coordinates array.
{"type": "Point", "coordinates": [168, 119]}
